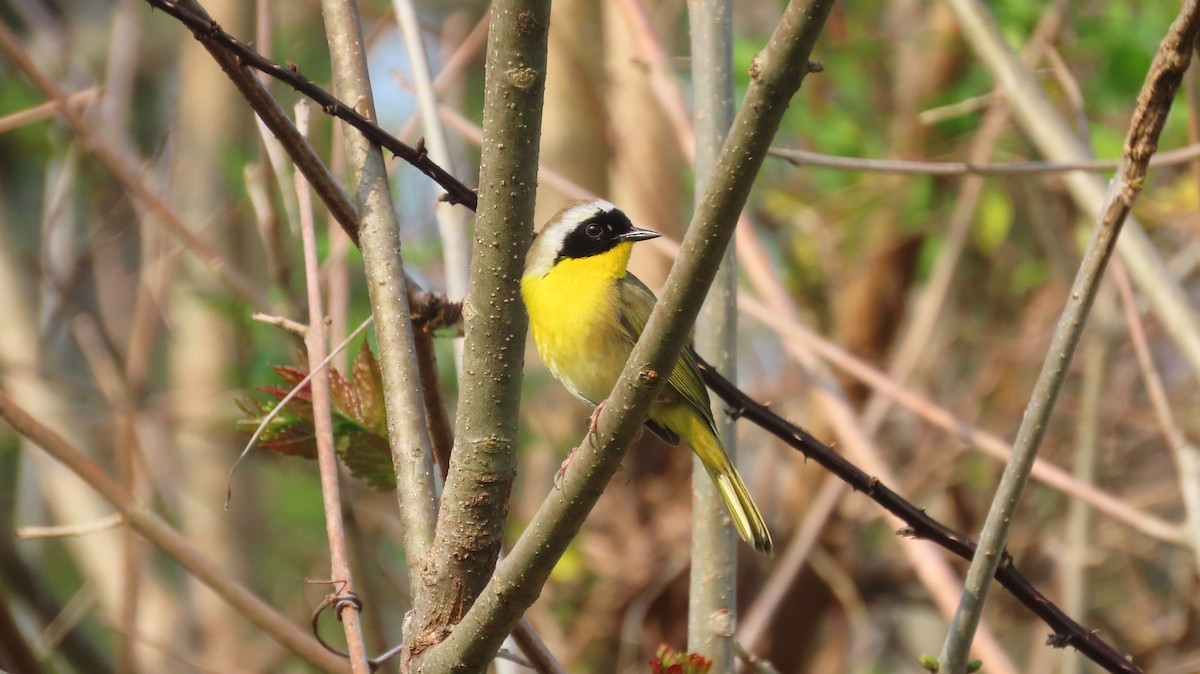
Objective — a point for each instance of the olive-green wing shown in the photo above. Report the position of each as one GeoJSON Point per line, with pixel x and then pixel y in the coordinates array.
{"type": "Point", "coordinates": [636, 302]}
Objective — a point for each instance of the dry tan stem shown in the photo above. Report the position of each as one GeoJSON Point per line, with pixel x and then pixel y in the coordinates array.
{"type": "Point", "coordinates": [16, 120]}
{"type": "Point", "coordinates": [316, 341]}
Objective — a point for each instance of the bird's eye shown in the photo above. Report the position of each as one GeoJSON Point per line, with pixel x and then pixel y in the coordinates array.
{"type": "Point", "coordinates": [593, 230]}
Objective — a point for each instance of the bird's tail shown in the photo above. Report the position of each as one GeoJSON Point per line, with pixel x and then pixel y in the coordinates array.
{"type": "Point", "coordinates": [745, 515]}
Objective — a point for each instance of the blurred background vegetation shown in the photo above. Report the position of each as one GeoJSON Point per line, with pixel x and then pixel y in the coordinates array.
{"type": "Point", "coordinates": [126, 342]}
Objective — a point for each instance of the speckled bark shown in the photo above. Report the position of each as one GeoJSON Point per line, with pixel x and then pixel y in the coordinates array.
{"type": "Point", "coordinates": [483, 465]}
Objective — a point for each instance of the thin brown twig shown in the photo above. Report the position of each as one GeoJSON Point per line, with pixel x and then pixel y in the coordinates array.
{"type": "Point", "coordinates": [540, 658]}
{"type": "Point", "coordinates": [282, 322]}
{"type": "Point", "coordinates": [28, 533]}
{"type": "Point", "coordinates": [759, 665]}
{"type": "Point", "coordinates": [1187, 458]}
{"type": "Point", "coordinates": [797, 157]}
{"type": "Point", "coordinates": [316, 341]}
{"type": "Point", "coordinates": [437, 416]}
{"type": "Point", "coordinates": [16, 120]}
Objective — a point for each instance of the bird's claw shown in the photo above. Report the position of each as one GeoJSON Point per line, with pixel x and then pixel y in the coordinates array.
{"type": "Point", "coordinates": [562, 469]}
{"type": "Point", "coordinates": [594, 424]}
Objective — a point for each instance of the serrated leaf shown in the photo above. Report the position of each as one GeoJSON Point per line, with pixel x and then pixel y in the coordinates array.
{"type": "Point", "coordinates": [290, 432]}
{"type": "Point", "coordinates": [368, 387]}
{"type": "Point", "coordinates": [341, 395]}
{"type": "Point", "coordinates": [290, 374]}
{"type": "Point", "coordinates": [368, 457]}
{"type": "Point", "coordinates": [359, 425]}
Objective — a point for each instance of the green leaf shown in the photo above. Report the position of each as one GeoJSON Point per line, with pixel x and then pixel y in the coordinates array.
{"type": "Point", "coordinates": [359, 423]}
{"type": "Point", "coordinates": [368, 387]}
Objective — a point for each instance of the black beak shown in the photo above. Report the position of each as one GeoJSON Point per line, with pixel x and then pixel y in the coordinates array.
{"type": "Point", "coordinates": [636, 234]}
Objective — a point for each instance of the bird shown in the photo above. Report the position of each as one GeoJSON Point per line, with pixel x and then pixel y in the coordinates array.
{"type": "Point", "coordinates": [586, 312]}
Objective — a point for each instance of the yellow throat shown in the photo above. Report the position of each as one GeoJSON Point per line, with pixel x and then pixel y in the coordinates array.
{"type": "Point", "coordinates": [572, 311]}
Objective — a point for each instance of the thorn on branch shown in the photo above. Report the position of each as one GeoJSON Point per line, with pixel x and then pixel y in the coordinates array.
{"type": "Point", "coordinates": [815, 67]}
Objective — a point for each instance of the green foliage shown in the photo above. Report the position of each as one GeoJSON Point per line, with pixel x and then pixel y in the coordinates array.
{"type": "Point", "coordinates": [359, 424]}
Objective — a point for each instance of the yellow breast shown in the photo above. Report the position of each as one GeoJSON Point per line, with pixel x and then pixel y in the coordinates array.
{"type": "Point", "coordinates": [572, 316]}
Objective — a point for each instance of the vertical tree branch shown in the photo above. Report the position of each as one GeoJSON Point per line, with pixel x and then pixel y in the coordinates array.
{"type": "Point", "coordinates": [712, 599]}
{"type": "Point", "coordinates": [380, 242]}
{"type": "Point", "coordinates": [1074, 567]}
{"type": "Point", "coordinates": [1154, 103]}
{"type": "Point", "coordinates": [483, 465]}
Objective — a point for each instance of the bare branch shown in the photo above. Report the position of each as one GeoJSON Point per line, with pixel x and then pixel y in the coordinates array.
{"type": "Point", "coordinates": [712, 595]}
{"type": "Point", "coordinates": [484, 462]}
{"type": "Point", "coordinates": [379, 234]}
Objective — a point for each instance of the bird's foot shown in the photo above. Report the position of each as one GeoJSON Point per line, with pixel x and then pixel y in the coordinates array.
{"type": "Point", "coordinates": [594, 424]}
{"type": "Point", "coordinates": [562, 470]}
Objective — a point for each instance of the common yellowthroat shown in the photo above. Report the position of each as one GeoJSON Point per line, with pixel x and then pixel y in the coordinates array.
{"type": "Point", "coordinates": [587, 311]}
